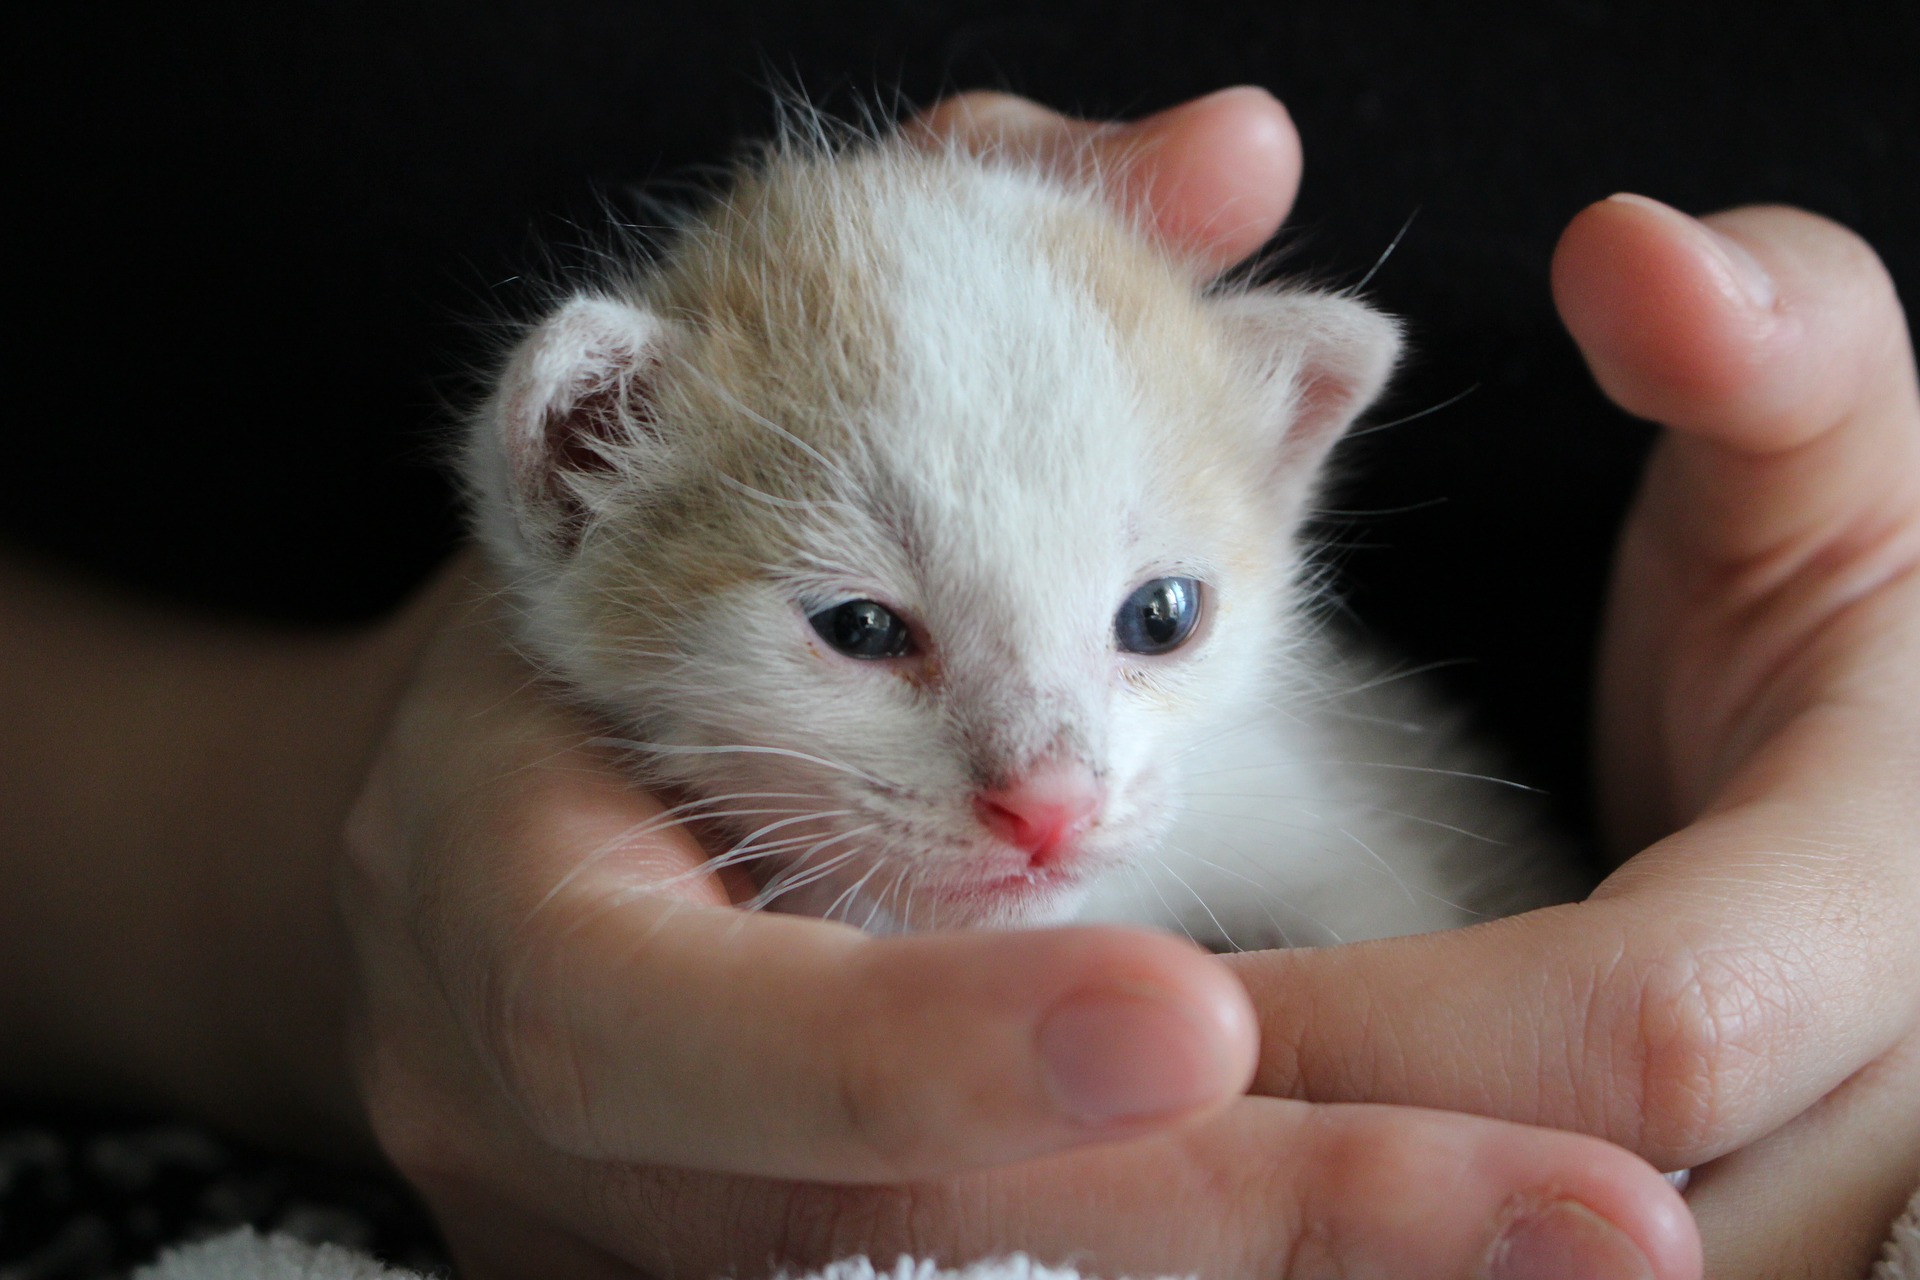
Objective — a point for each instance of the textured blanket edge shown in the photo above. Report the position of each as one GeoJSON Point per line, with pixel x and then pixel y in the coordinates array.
{"type": "Point", "coordinates": [1901, 1258]}
{"type": "Point", "coordinates": [246, 1255]}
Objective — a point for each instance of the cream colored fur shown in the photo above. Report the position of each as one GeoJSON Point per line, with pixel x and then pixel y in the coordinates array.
{"type": "Point", "coordinates": [977, 395]}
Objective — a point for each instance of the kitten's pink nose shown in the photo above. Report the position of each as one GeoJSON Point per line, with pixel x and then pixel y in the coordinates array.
{"type": "Point", "coordinates": [1044, 812]}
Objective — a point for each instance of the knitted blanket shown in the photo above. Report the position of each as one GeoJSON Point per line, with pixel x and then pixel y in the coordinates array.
{"type": "Point", "coordinates": [245, 1255]}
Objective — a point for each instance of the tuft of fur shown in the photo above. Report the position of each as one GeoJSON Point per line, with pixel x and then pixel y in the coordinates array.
{"type": "Point", "coordinates": [975, 393]}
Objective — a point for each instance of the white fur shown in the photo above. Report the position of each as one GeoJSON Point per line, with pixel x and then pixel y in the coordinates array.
{"type": "Point", "coordinates": [974, 394]}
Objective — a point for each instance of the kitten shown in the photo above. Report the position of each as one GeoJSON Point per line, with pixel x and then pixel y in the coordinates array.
{"type": "Point", "coordinates": [933, 532]}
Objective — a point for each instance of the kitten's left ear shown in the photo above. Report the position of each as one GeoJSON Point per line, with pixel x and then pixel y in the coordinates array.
{"type": "Point", "coordinates": [1320, 359]}
{"type": "Point", "coordinates": [575, 406]}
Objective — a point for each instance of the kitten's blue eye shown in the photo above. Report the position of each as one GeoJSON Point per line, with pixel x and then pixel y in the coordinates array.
{"type": "Point", "coordinates": [1158, 617]}
{"type": "Point", "coordinates": [863, 629]}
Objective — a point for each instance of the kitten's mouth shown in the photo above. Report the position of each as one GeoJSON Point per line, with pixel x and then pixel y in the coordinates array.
{"type": "Point", "coordinates": [1019, 886]}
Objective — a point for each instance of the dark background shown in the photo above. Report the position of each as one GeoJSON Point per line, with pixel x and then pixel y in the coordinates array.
{"type": "Point", "coordinates": [253, 252]}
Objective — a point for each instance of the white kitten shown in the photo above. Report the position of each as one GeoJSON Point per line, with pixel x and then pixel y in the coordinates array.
{"type": "Point", "coordinates": [932, 532]}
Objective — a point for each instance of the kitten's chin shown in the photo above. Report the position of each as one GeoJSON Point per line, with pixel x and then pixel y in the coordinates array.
{"type": "Point", "coordinates": [1021, 901]}
{"type": "Point", "coordinates": [1010, 902]}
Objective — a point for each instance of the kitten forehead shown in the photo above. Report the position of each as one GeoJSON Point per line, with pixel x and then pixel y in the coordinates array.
{"type": "Point", "coordinates": [998, 365]}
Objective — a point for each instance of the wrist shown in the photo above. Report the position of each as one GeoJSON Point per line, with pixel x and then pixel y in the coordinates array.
{"type": "Point", "coordinates": [172, 793]}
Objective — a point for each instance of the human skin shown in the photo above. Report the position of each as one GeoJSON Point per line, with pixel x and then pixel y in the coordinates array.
{"type": "Point", "coordinates": [631, 1073]}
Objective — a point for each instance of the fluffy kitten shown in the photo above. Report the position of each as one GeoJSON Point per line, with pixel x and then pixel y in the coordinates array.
{"type": "Point", "coordinates": [933, 533]}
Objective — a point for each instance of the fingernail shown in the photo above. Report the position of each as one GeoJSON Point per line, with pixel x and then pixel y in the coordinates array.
{"type": "Point", "coordinates": [986, 109]}
{"type": "Point", "coordinates": [1115, 1056]}
{"type": "Point", "coordinates": [1192, 104]}
{"type": "Point", "coordinates": [1742, 268]}
{"type": "Point", "coordinates": [1565, 1241]}
{"type": "Point", "coordinates": [1745, 270]}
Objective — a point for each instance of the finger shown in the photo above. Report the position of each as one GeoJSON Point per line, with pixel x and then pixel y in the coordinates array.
{"type": "Point", "coordinates": [1786, 493]}
{"type": "Point", "coordinates": [1761, 329]}
{"type": "Point", "coordinates": [1269, 1189]}
{"type": "Point", "coordinates": [1732, 974]}
{"type": "Point", "coordinates": [571, 933]}
{"type": "Point", "coordinates": [1771, 342]}
{"type": "Point", "coordinates": [1819, 1197]}
{"type": "Point", "coordinates": [1716, 987]}
{"type": "Point", "coordinates": [1213, 176]}
{"type": "Point", "coordinates": [633, 1024]}
{"type": "Point", "coordinates": [638, 1028]}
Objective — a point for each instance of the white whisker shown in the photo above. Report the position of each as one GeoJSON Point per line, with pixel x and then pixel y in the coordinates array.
{"type": "Point", "coordinates": [851, 893]}
{"type": "Point", "coordinates": [675, 749]}
{"type": "Point", "coordinates": [1221, 929]}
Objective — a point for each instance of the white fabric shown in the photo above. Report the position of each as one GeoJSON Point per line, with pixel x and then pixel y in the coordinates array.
{"type": "Point", "coordinates": [1901, 1259]}
{"type": "Point", "coordinates": [1017, 1267]}
{"type": "Point", "coordinates": [247, 1256]}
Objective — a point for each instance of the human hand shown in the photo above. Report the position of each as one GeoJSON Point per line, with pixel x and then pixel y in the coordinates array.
{"type": "Point", "coordinates": [1744, 993]}
{"type": "Point", "coordinates": [1762, 683]}
{"type": "Point", "coordinates": [589, 1061]}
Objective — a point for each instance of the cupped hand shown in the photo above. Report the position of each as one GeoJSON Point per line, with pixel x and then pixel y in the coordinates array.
{"type": "Point", "coordinates": [592, 1062]}
{"type": "Point", "coordinates": [1743, 994]}
{"type": "Point", "coordinates": [524, 898]}
{"type": "Point", "coordinates": [1761, 699]}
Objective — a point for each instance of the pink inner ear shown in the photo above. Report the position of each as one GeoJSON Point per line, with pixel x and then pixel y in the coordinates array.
{"type": "Point", "coordinates": [581, 435]}
{"type": "Point", "coordinates": [1324, 405]}
{"type": "Point", "coordinates": [1320, 357]}
{"type": "Point", "coordinates": [582, 392]}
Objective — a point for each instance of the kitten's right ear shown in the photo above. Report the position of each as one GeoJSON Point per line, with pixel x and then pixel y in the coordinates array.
{"type": "Point", "coordinates": [1318, 360]}
{"type": "Point", "coordinates": [576, 405]}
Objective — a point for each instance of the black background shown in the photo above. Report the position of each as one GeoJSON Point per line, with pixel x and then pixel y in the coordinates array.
{"type": "Point", "coordinates": [253, 252]}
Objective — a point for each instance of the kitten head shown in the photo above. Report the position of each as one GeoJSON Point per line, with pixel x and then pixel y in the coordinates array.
{"type": "Point", "coordinates": [912, 518]}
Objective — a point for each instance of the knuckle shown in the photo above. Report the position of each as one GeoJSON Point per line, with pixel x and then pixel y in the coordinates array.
{"type": "Point", "coordinates": [410, 1122]}
{"type": "Point", "coordinates": [1291, 1218]}
{"type": "Point", "coordinates": [529, 1046]}
{"type": "Point", "coordinates": [371, 865]}
{"type": "Point", "coordinates": [1699, 1037]}
{"type": "Point", "coordinates": [1357, 1169]}
{"type": "Point", "coordinates": [1316, 1250]}
{"type": "Point", "coordinates": [680, 1221]}
{"type": "Point", "coordinates": [880, 1114]}
{"type": "Point", "coordinates": [819, 1223]}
